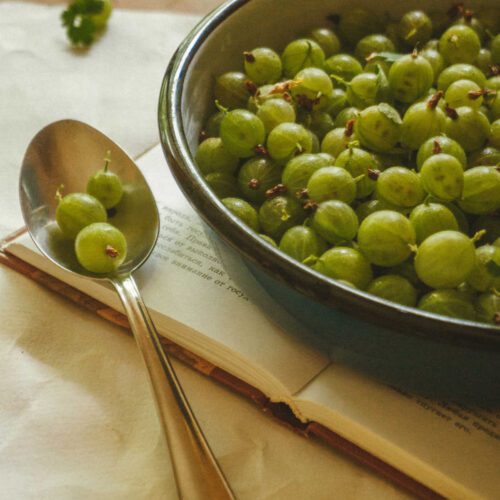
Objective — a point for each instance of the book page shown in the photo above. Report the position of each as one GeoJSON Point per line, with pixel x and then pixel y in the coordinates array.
{"type": "Point", "coordinates": [185, 285]}
{"type": "Point", "coordinates": [453, 449]}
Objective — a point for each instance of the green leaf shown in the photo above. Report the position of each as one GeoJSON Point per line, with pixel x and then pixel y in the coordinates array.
{"type": "Point", "coordinates": [382, 84]}
{"type": "Point", "coordinates": [78, 21]}
{"type": "Point", "coordinates": [384, 56]}
{"type": "Point", "coordinates": [390, 113]}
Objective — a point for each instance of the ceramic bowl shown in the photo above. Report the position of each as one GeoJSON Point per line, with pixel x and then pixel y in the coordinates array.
{"type": "Point", "coordinates": [403, 346]}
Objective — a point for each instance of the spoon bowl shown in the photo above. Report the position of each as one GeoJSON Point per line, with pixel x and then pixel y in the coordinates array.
{"type": "Point", "coordinates": [67, 153]}
{"type": "Point", "coordinates": [64, 155]}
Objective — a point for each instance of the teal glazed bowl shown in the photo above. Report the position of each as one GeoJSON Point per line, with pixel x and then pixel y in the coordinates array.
{"type": "Point", "coordinates": [404, 347]}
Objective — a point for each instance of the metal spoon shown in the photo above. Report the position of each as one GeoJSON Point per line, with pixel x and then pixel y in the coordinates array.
{"type": "Point", "coordinates": [68, 153]}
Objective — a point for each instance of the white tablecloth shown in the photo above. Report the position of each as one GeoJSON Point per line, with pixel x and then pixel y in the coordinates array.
{"type": "Point", "coordinates": [76, 416]}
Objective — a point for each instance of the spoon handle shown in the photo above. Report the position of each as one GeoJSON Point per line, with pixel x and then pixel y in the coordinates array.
{"type": "Point", "coordinates": [196, 470]}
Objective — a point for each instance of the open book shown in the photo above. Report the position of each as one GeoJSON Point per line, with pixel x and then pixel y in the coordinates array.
{"type": "Point", "coordinates": [431, 448]}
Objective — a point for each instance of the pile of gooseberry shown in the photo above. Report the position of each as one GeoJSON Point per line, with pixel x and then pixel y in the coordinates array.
{"type": "Point", "coordinates": [371, 153]}
{"type": "Point", "coordinates": [83, 217]}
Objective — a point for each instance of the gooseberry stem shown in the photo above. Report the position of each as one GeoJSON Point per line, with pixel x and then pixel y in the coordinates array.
{"type": "Point", "coordinates": [203, 136]}
{"type": "Point", "coordinates": [58, 192]}
{"type": "Point", "coordinates": [478, 236]}
{"type": "Point", "coordinates": [468, 14]}
{"type": "Point", "coordinates": [254, 184]}
{"type": "Point", "coordinates": [455, 10]}
{"type": "Point", "coordinates": [434, 100]}
{"type": "Point", "coordinates": [302, 194]}
{"type": "Point", "coordinates": [284, 87]}
{"type": "Point", "coordinates": [107, 160]}
{"type": "Point", "coordinates": [276, 190]}
{"type": "Point", "coordinates": [111, 251]}
{"type": "Point", "coordinates": [411, 33]}
{"type": "Point", "coordinates": [476, 94]}
{"type": "Point", "coordinates": [451, 112]}
{"type": "Point", "coordinates": [310, 206]}
{"type": "Point", "coordinates": [339, 79]}
{"type": "Point", "coordinates": [220, 107]}
{"type": "Point", "coordinates": [261, 150]}
{"type": "Point", "coordinates": [494, 69]}
{"type": "Point", "coordinates": [436, 148]}
{"type": "Point", "coordinates": [310, 260]}
{"type": "Point", "coordinates": [249, 57]}
{"type": "Point", "coordinates": [349, 127]}
{"type": "Point", "coordinates": [251, 87]}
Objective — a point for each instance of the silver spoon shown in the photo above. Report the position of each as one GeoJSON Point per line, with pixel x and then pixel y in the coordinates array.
{"type": "Point", "coordinates": [68, 153]}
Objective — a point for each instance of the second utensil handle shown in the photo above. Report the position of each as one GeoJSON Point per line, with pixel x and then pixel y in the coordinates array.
{"type": "Point", "coordinates": [196, 470]}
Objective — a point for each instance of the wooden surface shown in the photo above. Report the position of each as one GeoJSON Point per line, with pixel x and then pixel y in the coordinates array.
{"type": "Point", "coordinates": [200, 7]}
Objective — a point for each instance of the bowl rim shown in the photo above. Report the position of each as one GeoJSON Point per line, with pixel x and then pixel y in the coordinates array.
{"type": "Point", "coordinates": [405, 320]}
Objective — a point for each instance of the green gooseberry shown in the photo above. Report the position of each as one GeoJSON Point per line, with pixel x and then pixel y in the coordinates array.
{"type": "Point", "coordinates": [451, 303]}
{"type": "Point", "coordinates": [286, 140]}
{"type": "Point", "coordinates": [273, 112]}
{"type": "Point", "coordinates": [460, 71]}
{"type": "Point", "coordinates": [440, 144]}
{"type": "Point", "coordinates": [256, 176]}
{"type": "Point", "coordinates": [231, 90]}
{"type": "Point", "coordinates": [78, 210]}
{"type": "Point", "coordinates": [481, 278]}
{"type": "Point", "coordinates": [445, 259]}
{"type": "Point", "coordinates": [378, 127]}
{"type": "Point", "coordinates": [415, 28]}
{"type": "Point", "coordinates": [459, 44]}
{"type": "Point", "coordinates": [280, 213]}
{"type": "Point", "coordinates": [302, 243]}
{"type": "Point", "coordinates": [410, 77]}
{"type": "Point", "coordinates": [386, 238]}
{"type": "Point", "coordinates": [331, 183]}
{"type": "Point", "coordinates": [213, 156]}
{"type": "Point", "coordinates": [422, 121]}
{"type": "Point", "coordinates": [358, 163]}
{"type": "Point", "coordinates": [481, 192]}
{"type": "Point", "coordinates": [243, 211]}
{"type": "Point", "coordinates": [430, 218]}
{"type": "Point", "coordinates": [222, 184]}
{"type": "Point", "coordinates": [400, 187]}
{"type": "Point", "coordinates": [343, 66]}
{"type": "Point", "coordinates": [300, 54]}
{"type": "Point", "coordinates": [487, 307]}
{"type": "Point", "coordinates": [299, 170]}
{"type": "Point", "coordinates": [469, 127]}
{"type": "Point", "coordinates": [395, 289]}
{"type": "Point", "coordinates": [442, 176]}
{"type": "Point", "coordinates": [327, 40]}
{"type": "Point", "coordinates": [336, 141]}
{"type": "Point", "coordinates": [315, 86]}
{"type": "Point", "coordinates": [262, 65]}
{"type": "Point", "coordinates": [335, 221]}
{"type": "Point", "coordinates": [345, 264]}
{"type": "Point", "coordinates": [106, 186]}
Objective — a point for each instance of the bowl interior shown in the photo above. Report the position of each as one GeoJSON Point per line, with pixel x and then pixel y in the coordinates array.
{"type": "Point", "coordinates": [245, 24]}
{"type": "Point", "coordinates": [216, 46]}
